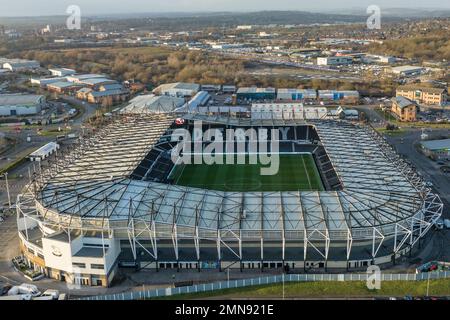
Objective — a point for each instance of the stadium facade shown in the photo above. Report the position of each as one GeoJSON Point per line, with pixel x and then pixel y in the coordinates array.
{"type": "Point", "coordinates": [109, 202]}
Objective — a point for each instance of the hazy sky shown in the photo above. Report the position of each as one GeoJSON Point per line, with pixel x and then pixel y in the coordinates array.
{"type": "Point", "coordinates": [92, 7]}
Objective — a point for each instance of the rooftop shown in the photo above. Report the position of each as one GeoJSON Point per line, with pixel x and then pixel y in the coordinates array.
{"type": "Point", "coordinates": [407, 68]}
{"type": "Point", "coordinates": [20, 99]}
{"type": "Point", "coordinates": [376, 193]}
{"type": "Point", "coordinates": [153, 104]}
{"type": "Point", "coordinates": [179, 85]}
{"type": "Point", "coordinates": [88, 252]}
{"type": "Point", "coordinates": [421, 88]}
{"type": "Point", "coordinates": [402, 102]}
{"type": "Point", "coordinates": [437, 144]}
{"type": "Point", "coordinates": [255, 90]}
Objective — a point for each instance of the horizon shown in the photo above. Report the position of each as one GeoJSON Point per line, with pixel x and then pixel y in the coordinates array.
{"type": "Point", "coordinates": [153, 7]}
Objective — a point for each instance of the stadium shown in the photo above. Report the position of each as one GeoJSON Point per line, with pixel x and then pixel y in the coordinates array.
{"type": "Point", "coordinates": [342, 199]}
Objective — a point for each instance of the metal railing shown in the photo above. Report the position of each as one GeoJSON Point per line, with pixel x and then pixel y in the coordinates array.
{"type": "Point", "coordinates": [233, 284]}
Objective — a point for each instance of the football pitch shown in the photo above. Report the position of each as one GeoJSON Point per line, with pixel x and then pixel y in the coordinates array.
{"type": "Point", "coordinates": [297, 172]}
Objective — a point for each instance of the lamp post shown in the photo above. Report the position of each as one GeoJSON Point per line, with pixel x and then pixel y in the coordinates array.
{"type": "Point", "coordinates": [7, 189]}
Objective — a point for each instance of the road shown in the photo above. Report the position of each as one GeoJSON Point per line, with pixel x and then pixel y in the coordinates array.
{"type": "Point", "coordinates": [405, 145]}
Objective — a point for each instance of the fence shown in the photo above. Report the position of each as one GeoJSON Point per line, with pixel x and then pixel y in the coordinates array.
{"type": "Point", "coordinates": [233, 284]}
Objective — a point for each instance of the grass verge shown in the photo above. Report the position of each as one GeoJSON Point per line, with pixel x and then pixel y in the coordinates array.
{"type": "Point", "coordinates": [334, 289]}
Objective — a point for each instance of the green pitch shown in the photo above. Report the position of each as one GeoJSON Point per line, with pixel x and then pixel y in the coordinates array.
{"type": "Point", "coordinates": [296, 173]}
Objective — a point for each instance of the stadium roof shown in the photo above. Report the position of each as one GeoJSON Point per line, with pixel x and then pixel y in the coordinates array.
{"type": "Point", "coordinates": [376, 191]}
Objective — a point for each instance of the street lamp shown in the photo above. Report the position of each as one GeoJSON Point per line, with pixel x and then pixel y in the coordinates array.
{"type": "Point", "coordinates": [7, 189]}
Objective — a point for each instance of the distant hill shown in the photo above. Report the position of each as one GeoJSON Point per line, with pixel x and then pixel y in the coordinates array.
{"type": "Point", "coordinates": [192, 20]}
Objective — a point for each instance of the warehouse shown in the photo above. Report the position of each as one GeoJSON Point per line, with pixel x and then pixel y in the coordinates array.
{"type": "Point", "coordinates": [18, 65]}
{"type": "Point", "coordinates": [200, 99]}
{"type": "Point", "coordinates": [43, 82]}
{"type": "Point", "coordinates": [254, 93]}
{"type": "Point", "coordinates": [407, 70]}
{"type": "Point", "coordinates": [61, 72]}
{"type": "Point", "coordinates": [106, 96]}
{"type": "Point", "coordinates": [82, 77]}
{"type": "Point", "coordinates": [287, 111]}
{"type": "Point", "coordinates": [228, 89]}
{"type": "Point", "coordinates": [334, 61]}
{"type": "Point", "coordinates": [21, 104]}
{"type": "Point", "coordinates": [296, 94]}
{"type": "Point", "coordinates": [178, 89]}
{"type": "Point", "coordinates": [437, 149]}
{"type": "Point", "coordinates": [63, 87]}
{"type": "Point", "coordinates": [154, 104]}
{"type": "Point", "coordinates": [211, 87]}
{"type": "Point", "coordinates": [335, 95]}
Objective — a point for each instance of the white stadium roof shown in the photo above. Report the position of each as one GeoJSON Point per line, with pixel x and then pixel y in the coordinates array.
{"type": "Point", "coordinates": [379, 192]}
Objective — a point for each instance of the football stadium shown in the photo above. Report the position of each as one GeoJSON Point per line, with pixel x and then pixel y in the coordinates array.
{"type": "Point", "coordinates": [341, 199]}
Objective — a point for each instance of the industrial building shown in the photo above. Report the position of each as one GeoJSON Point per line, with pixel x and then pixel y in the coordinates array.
{"type": "Point", "coordinates": [406, 71]}
{"type": "Point", "coordinates": [423, 95]}
{"type": "Point", "coordinates": [178, 89]}
{"type": "Point", "coordinates": [296, 94]}
{"type": "Point", "coordinates": [63, 87]}
{"type": "Point", "coordinates": [19, 65]}
{"type": "Point", "coordinates": [154, 104]}
{"type": "Point", "coordinates": [199, 100]}
{"type": "Point", "coordinates": [334, 61]}
{"type": "Point", "coordinates": [229, 89]}
{"type": "Point", "coordinates": [43, 82]}
{"type": "Point", "coordinates": [437, 149]}
{"type": "Point", "coordinates": [61, 72]}
{"type": "Point", "coordinates": [349, 96]}
{"type": "Point", "coordinates": [255, 94]}
{"type": "Point", "coordinates": [108, 201]}
{"type": "Point", "coordinates": [211, 87]}
{"type": "Point", "coordinates": [287, 111]}
{"type": "Point", "coordinates": [82, 77]}
{"type": "Point", "coordinates": [21, 104]}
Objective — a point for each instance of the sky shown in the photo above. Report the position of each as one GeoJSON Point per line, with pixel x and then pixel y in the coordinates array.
{"type": "Point", "coordinates": [96, 7]}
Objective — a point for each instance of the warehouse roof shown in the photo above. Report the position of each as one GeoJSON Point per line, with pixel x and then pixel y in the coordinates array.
{"type": "Point", "coordinates": [256, 90]}
{"type": "Point", "coordinates": [407, 68]}
{"type": "Point", "coordinates": [437, 144]}
{"type": "Point", "coordinates": [97, 81]}
{"type": "Point", "coordinates": [62, 84]}
{"type": "Point", "coordinates": [20, 99]}
{"type": "Point", "coordinates": [106, 93]}
{"type": "Point", "coordinates": [178, 85]}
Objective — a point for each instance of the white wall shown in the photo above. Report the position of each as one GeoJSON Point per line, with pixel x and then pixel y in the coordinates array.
{"type": "Point", "coordinates": [57, 254]}
{"type": "Point", "coordinates": [20, 110]}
